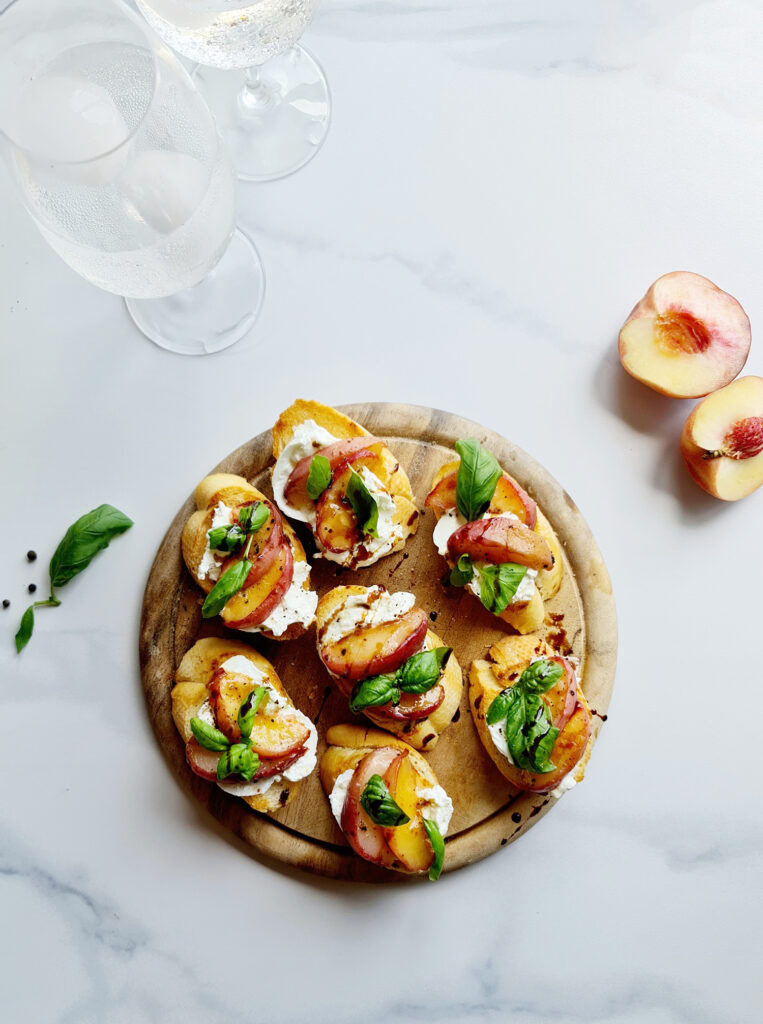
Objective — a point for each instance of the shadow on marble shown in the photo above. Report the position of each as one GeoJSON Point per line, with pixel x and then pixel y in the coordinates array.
{"type": "Point", "coordinates": [637, 405]}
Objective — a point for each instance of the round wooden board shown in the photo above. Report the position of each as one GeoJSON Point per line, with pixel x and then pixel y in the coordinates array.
{"type": "Point", "coordinates": [488, 812]}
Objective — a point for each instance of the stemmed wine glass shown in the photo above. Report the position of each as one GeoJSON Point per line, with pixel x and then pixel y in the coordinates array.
{"type": "Point", "coordinates": [120, 164]}
{"type": "Point", "coordinates": [275, 116]}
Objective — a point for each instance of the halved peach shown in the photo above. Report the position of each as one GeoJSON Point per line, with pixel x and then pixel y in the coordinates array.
{"type": "Point", "coordinates": [686, 337]}
{"type": "Point", "coordinates": [377, 649]}
{"type": "Point", "coordinates": [366, 838]}
{"type": "Point", "coordinates": [501, 540]}
{"type": "Point", "coordinates": [337, 453]}
{"type": "Point", "coordinates": [722, 440]}
{"type": "Point", "coordinates": [251, 606]}
{"type": "Point", "coordinates": [410, 842]}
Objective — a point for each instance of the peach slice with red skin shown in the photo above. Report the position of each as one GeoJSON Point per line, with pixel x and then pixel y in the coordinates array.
{"type": "Point", "coordinates": [410, 842]}
{"type": "Point", "coordinates": [276, 731]}
{"type": "Point", "coordinates": [264, 550]}
{"type": "Point", "coordinates": [203, 762]}
{"type": "Point", "coordinates": [500, 540]}
{"type": "Point", "coordinates": [722, 440]}
{"type": "Point", "coordinates": [347, 450]}
{"type": "Point", "coordinates": [414, 706]}
{"type": "Point", "coordinates": [376, 650]}
{"type": "Point", "coordinates": [507, 497]}
{"type": "Point", "coordinates": [252, 605]}
{"type": "Point", "coordinates": [686, 337]}
{"type": "Point", "coordinates": [366, 838]}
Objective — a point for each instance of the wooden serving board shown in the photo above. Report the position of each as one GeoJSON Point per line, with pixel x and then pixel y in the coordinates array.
{"type": "Point", "coordinates": [488, 812]}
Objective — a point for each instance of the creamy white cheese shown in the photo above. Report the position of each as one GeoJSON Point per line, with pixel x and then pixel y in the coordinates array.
{"type": "Point", "coordinates": [297, 605]}
{"type": "Point", "coordinates": [437, 807]}
{"type": "Point", "coordinates": [301, 768]}
{"type": "Point", "coordinates": [338, 794]}
{"type": "Point", "coordinates": [307, 438]}
{"type": "Point", "coordinates": [566, 784]}
{"type": "Point", "coordinates": [211, 562]}
{"type": "Point", "coordinates": [447, 525]}
{"type": "Point", "coordinates": [389, 533]}
{"type": "Point", "coordinates": [373, 608]}
{"type": "Point", "coordinates": [498, 735]}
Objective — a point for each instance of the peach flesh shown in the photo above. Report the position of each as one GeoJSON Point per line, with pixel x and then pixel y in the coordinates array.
{"type": "Point", "coordinates": [686, 337]}
{"type": "Point", "coordinates": [722, 440]}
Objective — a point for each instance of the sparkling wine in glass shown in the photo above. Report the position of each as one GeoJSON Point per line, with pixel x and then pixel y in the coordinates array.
{"type": "Point", "coordinates": [275, 115]}
{"type": "Point", "coordinates": [120, 164]}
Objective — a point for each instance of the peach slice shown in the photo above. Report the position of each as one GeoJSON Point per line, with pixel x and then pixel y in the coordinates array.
{"type": "Point", "coordinates": [686, 337]}
{"type": "Point", "coordinates": [366, 838]}
{"type": "Point", "coordinates": [376, 650]}
{"type": "Point", "coordinates": [722, 440]}
{"type": "Point", "coordinates": [501, 540]}
{"type": "Point", "coordinates": [251, 606]}
{"type": "Point", "coordinates": [409, 842]}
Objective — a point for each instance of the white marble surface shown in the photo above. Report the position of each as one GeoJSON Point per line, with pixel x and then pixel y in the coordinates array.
{"type": "Point", "coordinates": [501, 183]}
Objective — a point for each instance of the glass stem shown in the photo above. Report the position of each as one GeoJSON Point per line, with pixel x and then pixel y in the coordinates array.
{"type": "Point", "coordinates": [256, 95]}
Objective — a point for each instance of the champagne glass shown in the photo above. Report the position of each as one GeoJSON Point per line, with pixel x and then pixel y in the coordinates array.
{"type": "Point", "coordinates": [119, 162]}
{"type": "Point", "coordinates": [275, 116]}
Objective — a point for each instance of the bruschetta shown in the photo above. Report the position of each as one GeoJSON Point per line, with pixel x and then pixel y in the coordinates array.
{"type": "Point", "coordinates": [386, 799]}
{"type": "Point", "coordinates": [344, 483]}
{"type": "Point", "coordinates": [379, 651]}
{"type": "Point", "coordinates": [239, 725]}
{"type": "Point", "coordinates": [531, 714]}
{"type": "Point", "coordinates": [496, 540]}
{"type": "Point", "coordinates": [247, 560]}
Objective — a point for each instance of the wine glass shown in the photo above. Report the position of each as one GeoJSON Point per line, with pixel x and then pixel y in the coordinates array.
{"type": "Point", "coordinates": [120, 164]}
{"type": "Point", "coordinates": [275, 117]}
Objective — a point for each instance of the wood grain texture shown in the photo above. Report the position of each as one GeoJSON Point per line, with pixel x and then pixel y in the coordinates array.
{"type": "Point", "coordinates": [488, 813]}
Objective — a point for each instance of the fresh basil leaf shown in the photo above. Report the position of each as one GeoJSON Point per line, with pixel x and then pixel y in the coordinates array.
{"type": "Point", "coordinates": [229, 584]}
{"type": "Point", "coordinates": [241, 760]}
{"type": "Point", "coordinates": [83, 540]}
{"type": "Point", "coordinates": [207, 736]}
{"type": "Point", "coordinates": [249, 708]}
{"type": "Point", "coordinates": [538, 720]}
{"type": "Point", "coordinates": [499, 708]}
{"type": "Point", "coordinates": [378, 804]}
{"type": "Point", "coordinates": [541, 675]}
{"type": "Point", "coordinates": [373, 692]}
{"type": "Point", "coordinates": [26, 626]}
{"type": "Point", "coordinates": [542, 755]}
{"type": "Point", "coordinates": [364, 504]}
{"type": "Point", "coordinates": [516, 718]}
{"type": "Point", "coordinates": [463, 571]}
{"type": "Point", "coordinates": [319, 476]}
{"type": "Point", "coordinates": [252, 518]}
{"type": "Point", "coordinates": [421, 671]}
{"type": "Point", "coordinates": [499, 584]}
{"type": "Point", "coordinates": [438, 845]}
{"type": "Point", "coordinates": [226, 538]}
{"type": "Point", "coordinates": [478, 474]}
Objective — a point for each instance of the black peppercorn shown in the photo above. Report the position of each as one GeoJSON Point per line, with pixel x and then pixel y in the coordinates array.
{"type": "Point", "coordinates": [32, 587]}
{"type": "Point", "coordinates": [6, 603]}
{"type": "Point", "coordinates": [31, 556]}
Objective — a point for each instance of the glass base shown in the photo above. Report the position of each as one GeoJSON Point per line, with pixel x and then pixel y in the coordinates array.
{"type": "Point", "coordinates": [276, 120]}
{"type": "Point", "coordinates": [213, 315]}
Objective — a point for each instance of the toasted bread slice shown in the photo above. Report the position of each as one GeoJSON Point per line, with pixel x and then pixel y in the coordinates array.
{"type": "Point", "coordinates": [421, 734]}
{"type": "Point", "coordinates": [505, 662]}
{"type": "Point", "coordinates": [195, 671]}
{"type": "Point", "coordinates": [232, 491]}
{"type": "Point", "coordinates": [391, 473]}
{"type": "Point", "coordinates": [524, 616]}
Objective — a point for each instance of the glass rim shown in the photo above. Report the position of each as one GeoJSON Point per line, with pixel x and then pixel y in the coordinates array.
{"type": "Point", "coordinates": [152, 42]}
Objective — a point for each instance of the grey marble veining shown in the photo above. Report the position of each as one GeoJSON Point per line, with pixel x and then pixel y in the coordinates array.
{"type": "Point", "coordinates": [500, 184]}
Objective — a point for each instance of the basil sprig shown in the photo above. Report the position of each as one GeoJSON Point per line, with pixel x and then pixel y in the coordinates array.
{"type": "Point", "coordinates": [251, 518]}
{"type": "Point", "coordinates": [235, 758]}
{"type": "Point", "coordinates": [478, 474]}
{"type": "Point", "coordinates": [438, 845]}
{"type": "Point", "coordinates": [498, 583]}
{"type": "Point", "coordinates": [379, 805]}
{"type": "Point", "coordinates": [416, 675]}
{"type": "Point", "coordinates": [227, 538]}
{"type": "Point", "coordinates": [319, 476]}
{"type": "Point", "coordinates": [364, 504]}
{"type": "Point", "coordinates": [83, 540]}
{"type": "Point", "coordinates": [229, 584]}
{"type": "Point", "coordinates": [530, 736]}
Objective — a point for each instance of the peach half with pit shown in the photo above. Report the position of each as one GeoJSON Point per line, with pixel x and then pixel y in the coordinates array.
{"type": "Point", "coordinates": [722, 440]}
{"type": "Point", "coordinates": [686, 337]}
